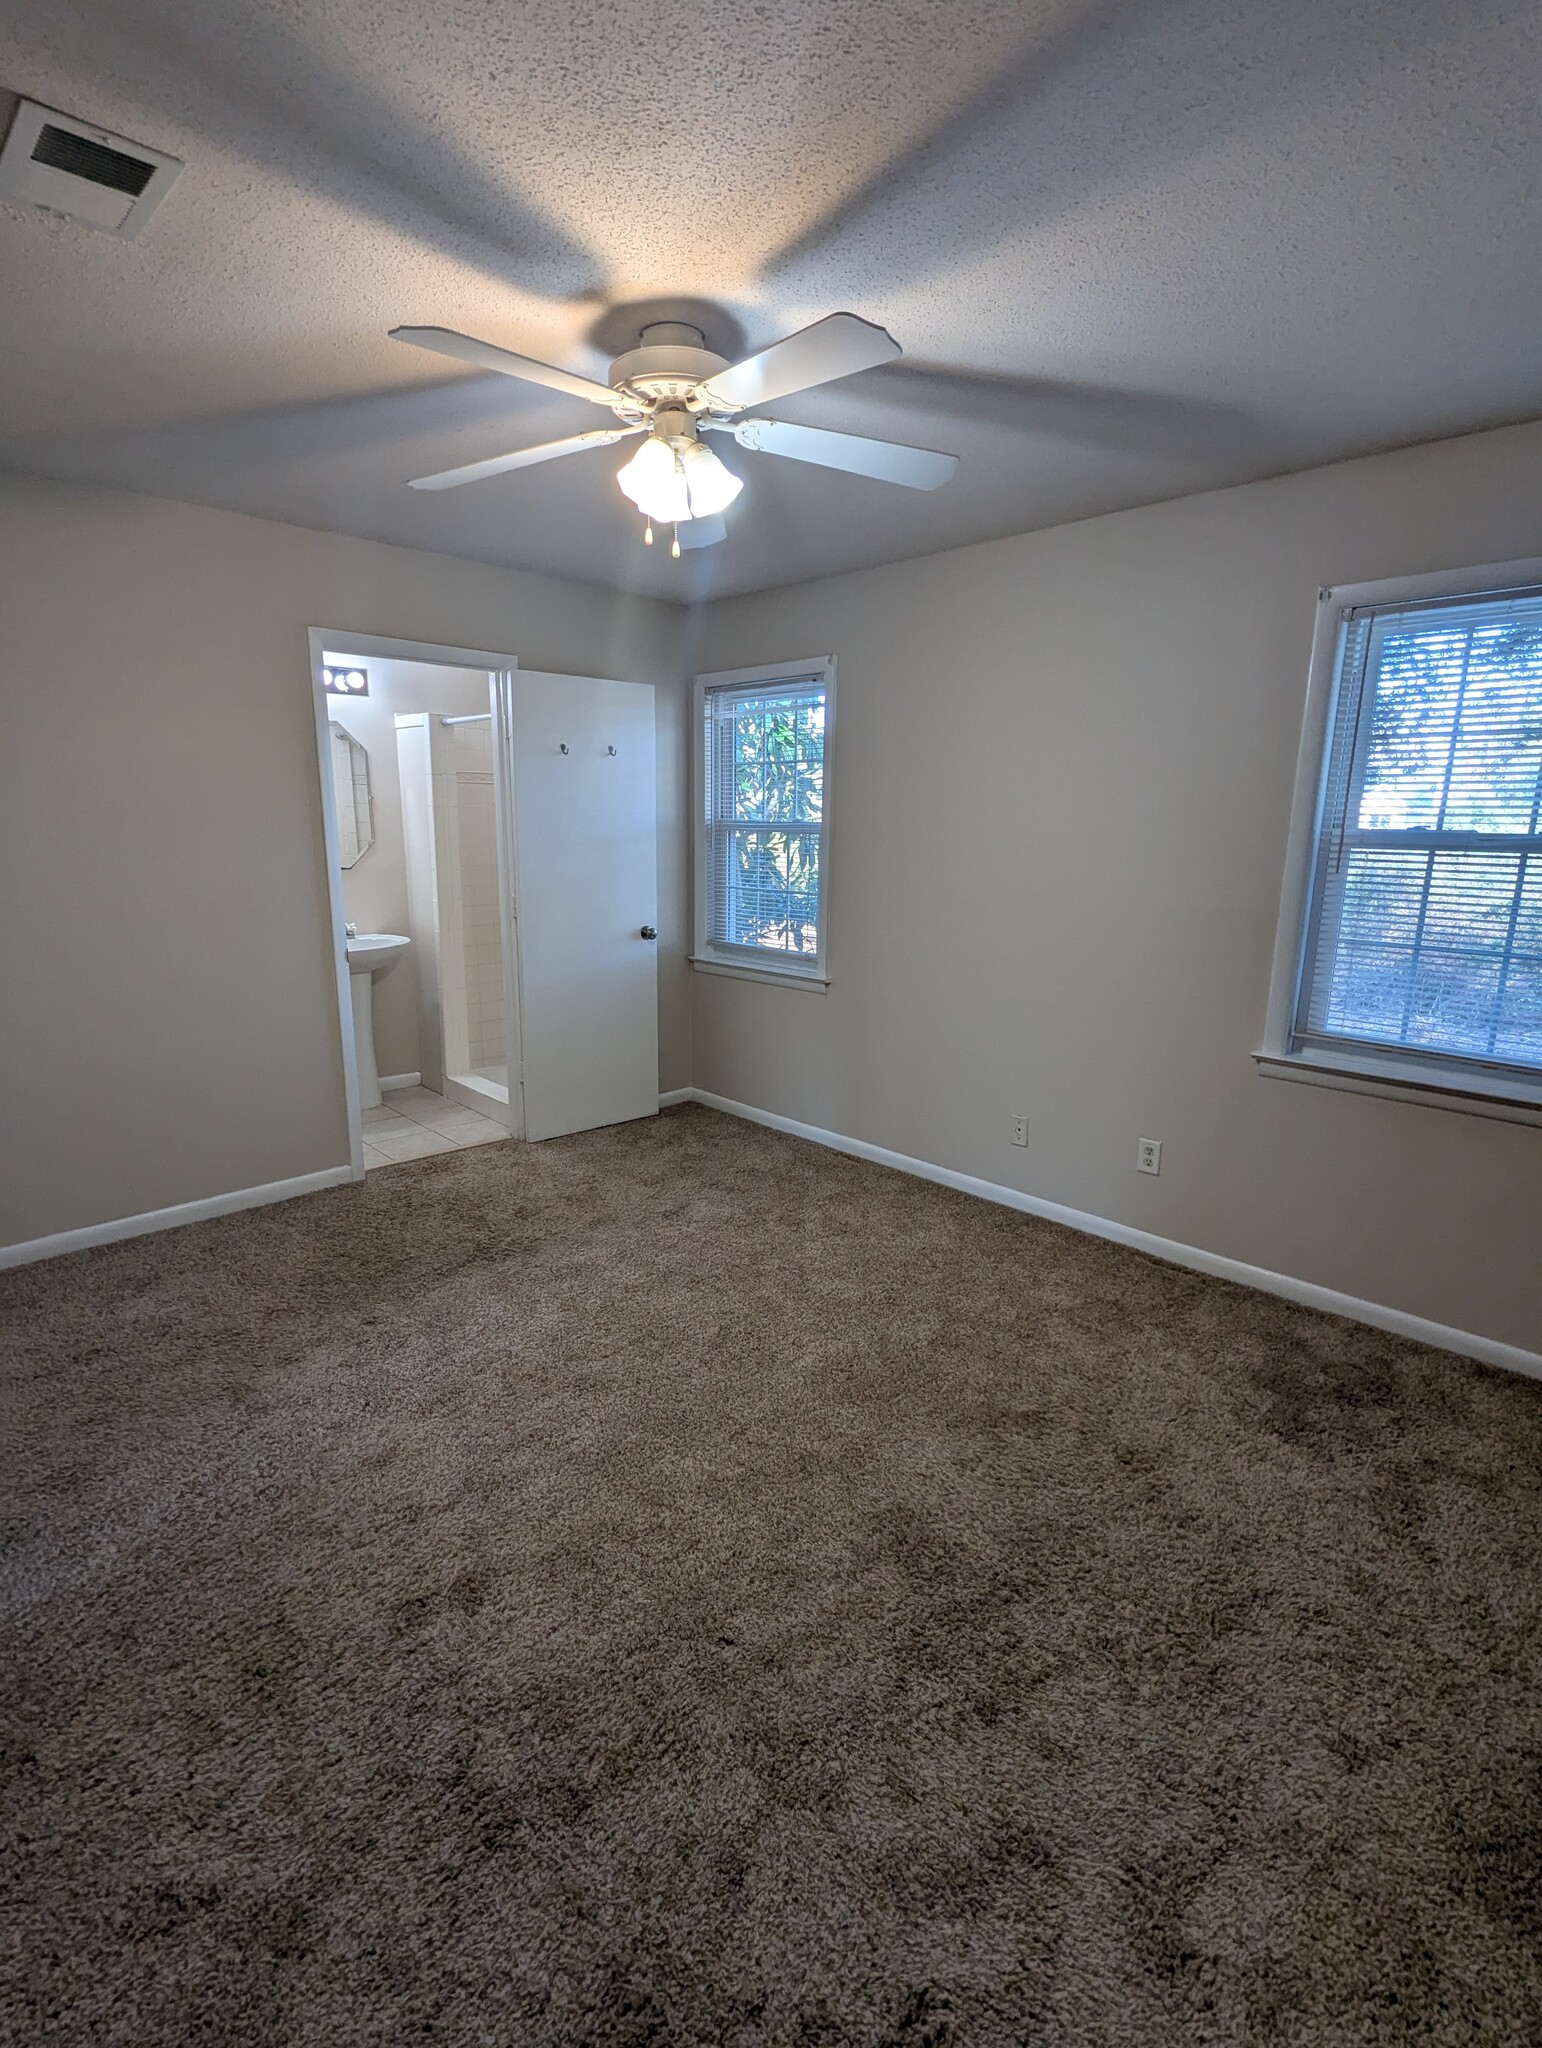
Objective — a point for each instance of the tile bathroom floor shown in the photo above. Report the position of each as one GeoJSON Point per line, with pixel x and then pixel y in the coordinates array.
{"type": "Point", "coordinates": [412, 1122]}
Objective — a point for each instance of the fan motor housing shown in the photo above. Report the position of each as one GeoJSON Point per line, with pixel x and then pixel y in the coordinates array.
{"type": "Point", "coordinates": [669, 365]}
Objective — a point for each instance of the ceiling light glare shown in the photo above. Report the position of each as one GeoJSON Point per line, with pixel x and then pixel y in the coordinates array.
{"type": "Point", "coordinates": [672, 481]}
{"type": "Point", "coordinates": [654, 480]}
{"type": "Point", "coordinates": [711, 483]}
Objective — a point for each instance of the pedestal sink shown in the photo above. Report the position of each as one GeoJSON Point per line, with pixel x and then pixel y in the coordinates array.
{"type": "Point", "coordinates": [369, 954]}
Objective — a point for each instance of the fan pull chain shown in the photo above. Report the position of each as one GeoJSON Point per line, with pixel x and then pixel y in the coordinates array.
{"type": "Point", "coordinates": [647, 533]}
{"type": "Point", "coordinates": [690, 510]}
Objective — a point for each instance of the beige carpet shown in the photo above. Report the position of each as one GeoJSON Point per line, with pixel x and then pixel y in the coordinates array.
{"type": "Point", "coordinates": [678, 1586]}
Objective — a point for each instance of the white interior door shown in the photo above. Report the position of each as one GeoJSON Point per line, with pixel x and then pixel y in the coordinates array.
{"type": "Point", "coordinates": [586, 886]}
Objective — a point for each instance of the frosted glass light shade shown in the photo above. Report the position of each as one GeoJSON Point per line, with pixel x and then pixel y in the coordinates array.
{"type": "Point", "coordinates": [655, 482]}
{"type": "Point", "coordinates": [671, 487]}
{"type": "Point", "coordinates": [712, 485]}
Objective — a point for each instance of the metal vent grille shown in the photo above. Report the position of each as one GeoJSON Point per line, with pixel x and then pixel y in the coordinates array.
{"type": "Point", "coordinates": [71, 170]}
{"type": "Point", "coordinates": [83, 158]}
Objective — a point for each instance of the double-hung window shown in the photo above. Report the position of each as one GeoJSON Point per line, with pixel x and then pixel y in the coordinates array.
{"type": "Point", "coordinates": [1418, 919]}
{"type": "Point", "coordinates": [763, 819]}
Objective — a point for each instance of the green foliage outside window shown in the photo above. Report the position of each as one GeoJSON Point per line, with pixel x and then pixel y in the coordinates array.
{"type": "Point", "coordinates": [778, 795]}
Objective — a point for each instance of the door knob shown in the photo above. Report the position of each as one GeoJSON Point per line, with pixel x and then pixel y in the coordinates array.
{"type": "Point", "coordinates": [649, 932]}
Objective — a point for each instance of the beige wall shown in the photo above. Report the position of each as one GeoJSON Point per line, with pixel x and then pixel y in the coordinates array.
{"type": "Point", "coordinates": [375, 887]}
{"type": "Point", "coordinates": [1061, 794]}
{"type": "Point", "coordinates": [169, 1021]}
{"type": "Point", "coordinates": [1091, 731]}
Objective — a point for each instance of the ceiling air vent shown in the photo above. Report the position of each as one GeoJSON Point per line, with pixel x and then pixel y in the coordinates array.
{"type": "Point", "coordinates": [84, 174]}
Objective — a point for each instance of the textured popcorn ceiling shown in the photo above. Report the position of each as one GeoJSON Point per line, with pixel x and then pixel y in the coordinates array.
{"type": "Point", "coordinates": [1131, 250]}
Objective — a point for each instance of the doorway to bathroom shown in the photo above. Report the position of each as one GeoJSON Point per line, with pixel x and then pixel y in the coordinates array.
{"type": "Point", "coordinates": [491, 852]}
{"type": "Point", "coordinates": [409, 742]}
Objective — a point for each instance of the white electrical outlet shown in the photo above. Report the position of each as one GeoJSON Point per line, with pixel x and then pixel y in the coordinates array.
{"type": "Point", "coordinates": [1019, 1130]}
{"type": "Point", "coordinates": [1148, 1155]}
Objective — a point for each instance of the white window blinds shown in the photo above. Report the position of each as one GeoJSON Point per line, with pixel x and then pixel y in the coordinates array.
{"type": "Point", "coordinates": [764, 844]}
{"type": "Point", "coordinates": [1424, 927]}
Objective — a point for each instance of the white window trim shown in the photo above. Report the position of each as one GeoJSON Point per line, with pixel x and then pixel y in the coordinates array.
{"type": "Point", "coordinates": [1476, 1090]}
{"type": "Point", "coordinates": [815, 973]}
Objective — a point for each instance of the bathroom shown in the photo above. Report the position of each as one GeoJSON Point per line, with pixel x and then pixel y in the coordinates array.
{"type": "Point", "coordinates": [410, 745]}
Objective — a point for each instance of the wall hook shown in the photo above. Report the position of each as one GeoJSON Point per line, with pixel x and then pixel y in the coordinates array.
{"type": "Point", "coordinates": [562, 746]}
{"type": "Point", "coordinates": [610, 750]}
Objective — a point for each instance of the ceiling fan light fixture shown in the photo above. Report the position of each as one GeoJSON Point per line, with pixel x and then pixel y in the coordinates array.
{"type": "Point", "coordinates": [673, 477]}
{"type": "Point", "coordinates": [671, 387]}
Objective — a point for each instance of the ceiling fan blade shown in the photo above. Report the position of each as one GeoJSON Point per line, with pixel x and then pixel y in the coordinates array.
{"type": "Point", "coordinates": [890, 462]}
{"type": "Point", "coordinates": [483, 355]}
{"type": "Point", "coordinates": [701, 533]}
{"type": "Point", "coordinates": [837, 346]}
{"type": "Point", "coordinates": [521, 458]}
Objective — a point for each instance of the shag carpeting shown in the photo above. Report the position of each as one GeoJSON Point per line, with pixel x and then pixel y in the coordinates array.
{"type": "Point", "coordinates": [677, 1586]}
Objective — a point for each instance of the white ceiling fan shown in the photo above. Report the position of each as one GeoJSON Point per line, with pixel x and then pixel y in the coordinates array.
{"type": "Point", "coordinates": [672, 389]}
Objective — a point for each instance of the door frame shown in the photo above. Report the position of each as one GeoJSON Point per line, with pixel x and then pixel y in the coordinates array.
{"type": "Point", "coordinates": [499, 669]}
{"type": "Point", "coordinates": [506, 847]}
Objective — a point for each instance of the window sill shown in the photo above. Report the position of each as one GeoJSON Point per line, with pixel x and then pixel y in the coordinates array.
{"type": "Point", "coordinates": [1383, 1077]}
{"type": "Point", "coordinates": [785, 977]}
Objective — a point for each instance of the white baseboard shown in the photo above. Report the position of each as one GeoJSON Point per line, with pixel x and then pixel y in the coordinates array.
{"type": "Point", "coordinates": [389, 1081]}
{"type": "Point", "coordinates": [1488, 1350]}
{"type": "Point", "coordinates": [170, 1219]}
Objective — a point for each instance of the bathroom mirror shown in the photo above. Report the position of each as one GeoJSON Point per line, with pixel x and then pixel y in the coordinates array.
{"type": "Point", "coordinates": [350, 782]}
